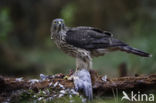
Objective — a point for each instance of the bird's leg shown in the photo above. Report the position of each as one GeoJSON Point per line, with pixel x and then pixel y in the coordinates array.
{"type": "Point", "coordinates": [90, 63]}
{"type": "Point", "coordinates": [82, 78]}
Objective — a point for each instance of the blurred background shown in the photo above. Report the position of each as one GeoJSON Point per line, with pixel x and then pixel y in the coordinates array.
{"type": "Point", "coordinates": [27, 50]}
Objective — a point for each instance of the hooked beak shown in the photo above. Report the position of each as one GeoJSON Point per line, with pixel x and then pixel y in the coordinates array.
{"type": "Point", "coordinates": [51, 37]}
{"type": "Point", "coordinates": [59, 22]}
{"type": "Point", "coordinates": [59, 25]}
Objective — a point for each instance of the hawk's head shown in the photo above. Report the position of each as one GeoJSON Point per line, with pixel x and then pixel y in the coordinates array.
{"type": "Point", "coordinates": [57, 25]}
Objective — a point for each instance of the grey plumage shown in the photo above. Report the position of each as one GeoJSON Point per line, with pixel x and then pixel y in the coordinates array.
{"type": "Point", "coordinates": [84, 81]}
{"type": "Point", "coordinates": [83, 43]}
{"type": "Point", "coordinates": [90, 39]}
{"type": "Point", "coordinates": [93, 39]}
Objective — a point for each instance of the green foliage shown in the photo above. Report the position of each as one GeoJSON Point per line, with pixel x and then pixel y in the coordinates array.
{"type": "Point", "coordinates": [138, 29]}
{"type": "Point", "coordinates": [66, 99]}
{"type": "Point", "coordinates": [5, 24]}
{"type": "Point", "coordinates": [137, 26]}
{"type": "Point", "coordinates": [75, 99]}
{"type": "Point", "coordinates": [24, 97]}
{"type": "Point", "coordinates": [68, 12]}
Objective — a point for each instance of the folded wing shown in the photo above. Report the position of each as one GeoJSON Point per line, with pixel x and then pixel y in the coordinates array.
{"type": "Point", "coordinates": [91, 38]}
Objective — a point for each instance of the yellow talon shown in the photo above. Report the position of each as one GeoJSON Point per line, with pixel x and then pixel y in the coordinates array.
{"type": "Point", "coordinates": [68, 77]}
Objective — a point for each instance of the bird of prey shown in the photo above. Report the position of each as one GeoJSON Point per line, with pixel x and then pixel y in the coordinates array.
{"type": "Point", "coordinates": [84, 43]}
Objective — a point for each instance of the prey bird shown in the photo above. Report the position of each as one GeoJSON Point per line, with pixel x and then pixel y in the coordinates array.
{"type": "Point", "coordinates": [84, 43]}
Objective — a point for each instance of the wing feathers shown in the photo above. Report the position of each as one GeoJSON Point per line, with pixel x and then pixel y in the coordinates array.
{"type": "Point", "coordinates": [91, 38]}
{"type": "Point", "coordinates": [93, 29]}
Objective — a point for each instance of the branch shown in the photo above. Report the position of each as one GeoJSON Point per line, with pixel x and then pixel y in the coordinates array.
{"type": "Point", "coordinates": [100, 87]}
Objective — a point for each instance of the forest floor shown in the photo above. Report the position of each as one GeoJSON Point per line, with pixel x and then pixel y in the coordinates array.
{"type": "Point", "coordinates": [50, 88]}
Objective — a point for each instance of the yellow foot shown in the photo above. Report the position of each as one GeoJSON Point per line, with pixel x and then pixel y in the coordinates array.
{"type": "Point", "coordinates": [69, 77]}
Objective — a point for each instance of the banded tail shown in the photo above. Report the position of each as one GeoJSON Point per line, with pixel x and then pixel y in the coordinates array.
{"type": "Point", "coordinates": [135, 51]}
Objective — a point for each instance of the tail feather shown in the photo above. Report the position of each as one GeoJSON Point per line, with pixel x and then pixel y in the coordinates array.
{"type": "Point", "coordinates": [135, 51]}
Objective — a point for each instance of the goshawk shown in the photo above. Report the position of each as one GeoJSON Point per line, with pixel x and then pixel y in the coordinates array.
{"type": "Point", "coordinates": [84, 43]}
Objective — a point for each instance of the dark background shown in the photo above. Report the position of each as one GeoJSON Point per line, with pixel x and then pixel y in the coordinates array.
{"type": "Point", "coordinates": [27, 50]}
